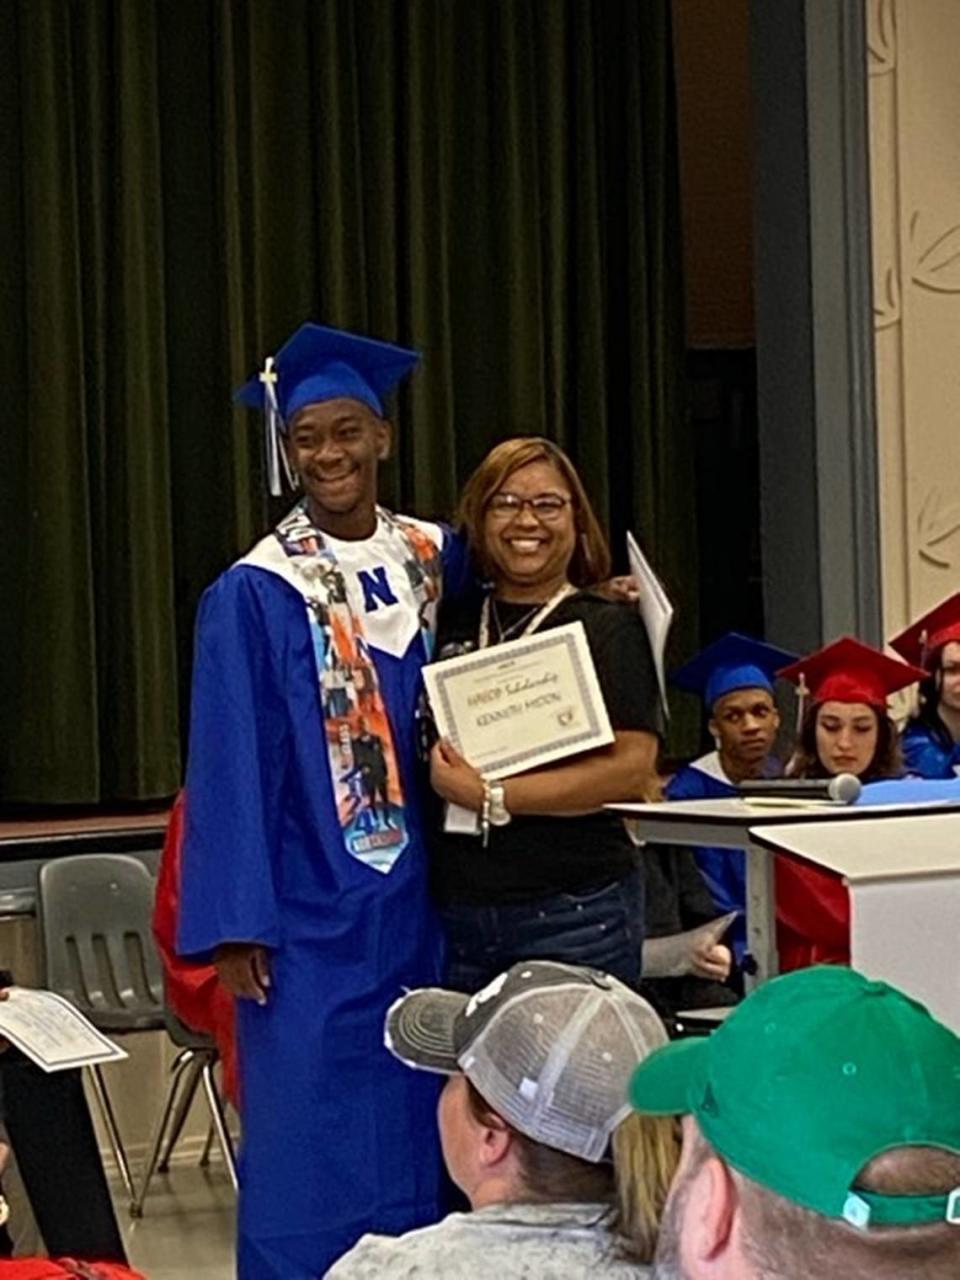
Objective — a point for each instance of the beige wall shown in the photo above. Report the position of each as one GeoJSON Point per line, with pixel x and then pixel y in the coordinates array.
{"type": "Point", "coordinates": [914, 88]}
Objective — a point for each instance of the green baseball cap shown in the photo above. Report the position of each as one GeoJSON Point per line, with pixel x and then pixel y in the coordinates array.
{"type": "Point", "coordinates": [813, 1075]}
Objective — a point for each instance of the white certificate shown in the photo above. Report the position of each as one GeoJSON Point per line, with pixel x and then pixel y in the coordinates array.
{"type": "Point", "coordinates": [655, 610]}
{"type": "Point", "coordinates": [52, 1032]}
{"type": "Point", "coordinates": [521, 704]}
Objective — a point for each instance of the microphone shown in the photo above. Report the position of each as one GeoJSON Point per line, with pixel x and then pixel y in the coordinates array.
{"type": "Point", "coordinates": [844, 788]}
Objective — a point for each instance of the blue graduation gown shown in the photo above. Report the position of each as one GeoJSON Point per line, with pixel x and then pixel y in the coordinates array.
{"type": "Point", "coordinates": [924, 755]}
{"type": "Point", "coordinates": [723, 869]}
{"type": "Point", "coordinates": [338, 1137]}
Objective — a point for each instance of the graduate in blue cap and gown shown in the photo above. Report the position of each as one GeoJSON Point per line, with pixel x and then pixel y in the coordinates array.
{"type": "Point", "coordinates": [734, 676]}
{"type": "Point", "coordinates": [303, 865]}
{"type": "Point", "coordinates": [931, 737]}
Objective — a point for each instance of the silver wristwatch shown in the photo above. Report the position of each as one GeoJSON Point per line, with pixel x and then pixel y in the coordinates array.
{"type": "Point", "coordinates": [500, 815]}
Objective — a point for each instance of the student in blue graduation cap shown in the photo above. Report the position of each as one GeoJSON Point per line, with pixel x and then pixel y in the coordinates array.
{"type": "Point", "coordinates": [931, 738]}
{"type": "Point", "coordinates": [734, 676]}
{"type": "Point", "coordinates": [303, 866]}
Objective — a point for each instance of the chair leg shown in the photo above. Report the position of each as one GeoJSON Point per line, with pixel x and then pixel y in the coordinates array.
{"type": "Point", "coordinates": [193, 1065]}
{"type": "Point", "coordinates": [208, 1146]}
{"type": "Point", "coordinates": [175, 1094]}
{"type": "Point", "coordinates": [219, 1122]}
{"type": "Point", "coordinates": [113, 1132]}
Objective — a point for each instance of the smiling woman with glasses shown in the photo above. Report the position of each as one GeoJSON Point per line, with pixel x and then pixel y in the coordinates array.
{"type": "Point", "coordinates": [546, 506]}
{"type": "Point", "coordinates": [557, 879]}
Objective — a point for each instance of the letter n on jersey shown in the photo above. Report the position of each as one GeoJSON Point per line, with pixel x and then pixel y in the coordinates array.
{"type": "Point", "coordinates": [376, 588]}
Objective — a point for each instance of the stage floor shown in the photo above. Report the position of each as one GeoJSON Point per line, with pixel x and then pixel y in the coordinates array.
{"type": "Point", "coordinates": [187, 1229]}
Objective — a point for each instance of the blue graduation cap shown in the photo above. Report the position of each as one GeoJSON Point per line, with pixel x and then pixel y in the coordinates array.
{"type": "Point", "coordinates": [316, 364]}
{"type": "Point", "coordinates": [730, 663]}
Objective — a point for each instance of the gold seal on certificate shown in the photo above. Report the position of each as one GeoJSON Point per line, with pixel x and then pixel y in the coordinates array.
{"type": "Point", "coordinates": [521, 704]}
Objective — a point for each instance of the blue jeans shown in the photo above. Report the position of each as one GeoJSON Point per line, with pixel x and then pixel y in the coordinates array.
{"type": "Point", "coordinates": [599, 927]}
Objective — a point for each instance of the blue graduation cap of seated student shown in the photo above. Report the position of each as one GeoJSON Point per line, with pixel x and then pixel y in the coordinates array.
{"type": "Point", "coordinates": [731, 663]}
{"type": "Point", "coordinates": [316, 364]}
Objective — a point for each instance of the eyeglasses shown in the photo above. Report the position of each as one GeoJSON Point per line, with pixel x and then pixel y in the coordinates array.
{"type": "Point", "coordinates": [545, 506]}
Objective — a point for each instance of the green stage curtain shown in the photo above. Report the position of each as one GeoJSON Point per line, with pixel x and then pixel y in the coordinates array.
{"type": "Point", "coordinates": [184, 182]}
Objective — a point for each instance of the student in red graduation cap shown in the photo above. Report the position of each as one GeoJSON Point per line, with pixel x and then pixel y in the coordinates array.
{"type": "Point", "coordinates": [931, 739]}
{"type": "Point", "coordinates": [844, 728]}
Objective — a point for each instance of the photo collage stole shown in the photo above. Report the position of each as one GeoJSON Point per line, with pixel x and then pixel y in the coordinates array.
{"type": "Point", "coordinates": [368, 792]}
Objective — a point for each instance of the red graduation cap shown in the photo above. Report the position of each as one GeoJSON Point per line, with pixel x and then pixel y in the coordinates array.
{"type": "Point", "coordinates": [849, 671]}
{"type": "Point", "coordinates": [925, 637]}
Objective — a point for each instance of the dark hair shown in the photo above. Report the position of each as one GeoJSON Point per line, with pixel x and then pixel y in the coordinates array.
{"type": "Point", "coordinates": [887, 760]}
{"type": "Point", "coordinates": [590, 562]}
{"type": "Point", "coordinates": [929, 714]}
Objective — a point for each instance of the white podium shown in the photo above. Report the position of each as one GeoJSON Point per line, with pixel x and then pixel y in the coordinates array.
{"type": "Point", "coordinates": [903, 874]}
{"type": "Point", "coordinates": [901, 861]}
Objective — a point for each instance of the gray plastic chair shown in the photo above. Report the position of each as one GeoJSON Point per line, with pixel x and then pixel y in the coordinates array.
{"type": "Point", "coordinates": [192, 1067]}
{"type": "Point", "coordinates": [95, 913]}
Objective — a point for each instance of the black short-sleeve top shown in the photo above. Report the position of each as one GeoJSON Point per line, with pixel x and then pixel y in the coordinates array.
{"type": "Point", "coordinates": [535, 857]}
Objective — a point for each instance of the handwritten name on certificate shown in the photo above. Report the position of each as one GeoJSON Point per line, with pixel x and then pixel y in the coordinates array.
{"type": "Point", "coordinates": [52, 1032]}
{"type": "Point", "coordinates": [521, 704]}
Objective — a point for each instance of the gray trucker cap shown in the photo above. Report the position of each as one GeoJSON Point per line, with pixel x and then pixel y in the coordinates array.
{"type": "Point", "coordinates": [551, 1047]}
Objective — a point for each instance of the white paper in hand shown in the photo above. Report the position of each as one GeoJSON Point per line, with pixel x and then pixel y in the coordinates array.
{"type": "Point", "coordinates": [672, 955]}
{"type": "Point", "coordinates": [52, 1032]}
{"type": "Point", "coordinates": [655, 610]}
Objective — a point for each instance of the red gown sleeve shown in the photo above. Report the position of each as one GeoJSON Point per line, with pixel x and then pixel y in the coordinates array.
{"type": "Point", "coordinates": [193, 990]}
{"type": "Point", "coordinates": [813, 915]}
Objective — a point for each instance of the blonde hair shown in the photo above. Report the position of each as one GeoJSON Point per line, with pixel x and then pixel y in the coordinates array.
{"type": "Point", "coordinates": [646, 1151]}
{"type": "Point", "coordinates": [590, 562]}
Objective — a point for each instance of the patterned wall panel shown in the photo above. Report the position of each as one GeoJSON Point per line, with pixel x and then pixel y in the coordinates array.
{"type": "Point", "coordinates": [914, 89]}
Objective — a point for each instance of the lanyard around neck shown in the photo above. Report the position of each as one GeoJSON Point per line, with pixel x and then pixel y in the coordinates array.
{"type": "Point", "coordinates": [536, 621]}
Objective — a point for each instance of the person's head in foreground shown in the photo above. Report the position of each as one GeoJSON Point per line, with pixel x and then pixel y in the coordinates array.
{"type": "Point", "coordinates": [535, 1117]}
{"type": "Point", "coordinates": [821, 1137]}
{"type": "Point", "coordinates": [529, 521]}
{"type": "Point", "coordinates": [734, 676]}
{"type": "Point", "coordinates": [845, 727]}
